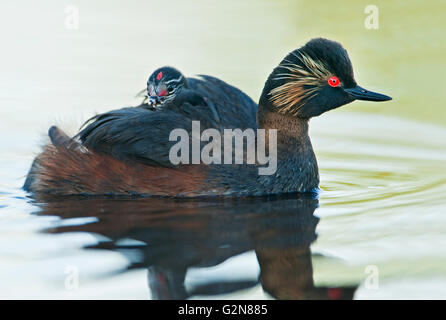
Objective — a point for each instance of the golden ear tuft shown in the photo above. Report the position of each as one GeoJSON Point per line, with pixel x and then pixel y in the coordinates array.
{"type": "Point", "coordinates": [292, 95]}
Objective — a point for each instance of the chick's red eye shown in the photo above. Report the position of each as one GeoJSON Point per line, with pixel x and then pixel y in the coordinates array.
{"type": "Point", "coordinates": [334, 81]}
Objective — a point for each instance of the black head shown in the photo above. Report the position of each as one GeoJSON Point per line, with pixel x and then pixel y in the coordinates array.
{"type": "Point", "coordinates": [164, 84]}
{"type": "Point", "coordinates": [314, 79]}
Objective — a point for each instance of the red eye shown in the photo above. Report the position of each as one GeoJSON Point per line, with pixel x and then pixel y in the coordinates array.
{"type": "Point", "coordinates": [162, 93]}
{"type": "Point", "coordinates": [334, 81]}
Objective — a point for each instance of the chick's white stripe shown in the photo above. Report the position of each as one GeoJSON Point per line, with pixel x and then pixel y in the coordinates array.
{"type": "Point", "coordinates": [174, 80]}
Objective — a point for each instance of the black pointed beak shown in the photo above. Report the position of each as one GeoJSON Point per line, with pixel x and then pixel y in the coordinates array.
{"type": "Point", "coordinates": [360, 93]}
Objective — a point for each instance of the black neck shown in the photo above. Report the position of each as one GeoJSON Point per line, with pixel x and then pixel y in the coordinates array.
{"type": "Point", "coordinates": [296, 164]}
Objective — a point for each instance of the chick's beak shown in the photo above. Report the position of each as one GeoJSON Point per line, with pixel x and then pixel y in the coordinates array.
{"type": "Point", "coordinates": [360, 93]}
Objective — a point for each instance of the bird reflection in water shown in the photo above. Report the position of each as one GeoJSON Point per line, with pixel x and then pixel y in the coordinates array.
{"type": "Point", "coordinates": [174, 236]}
